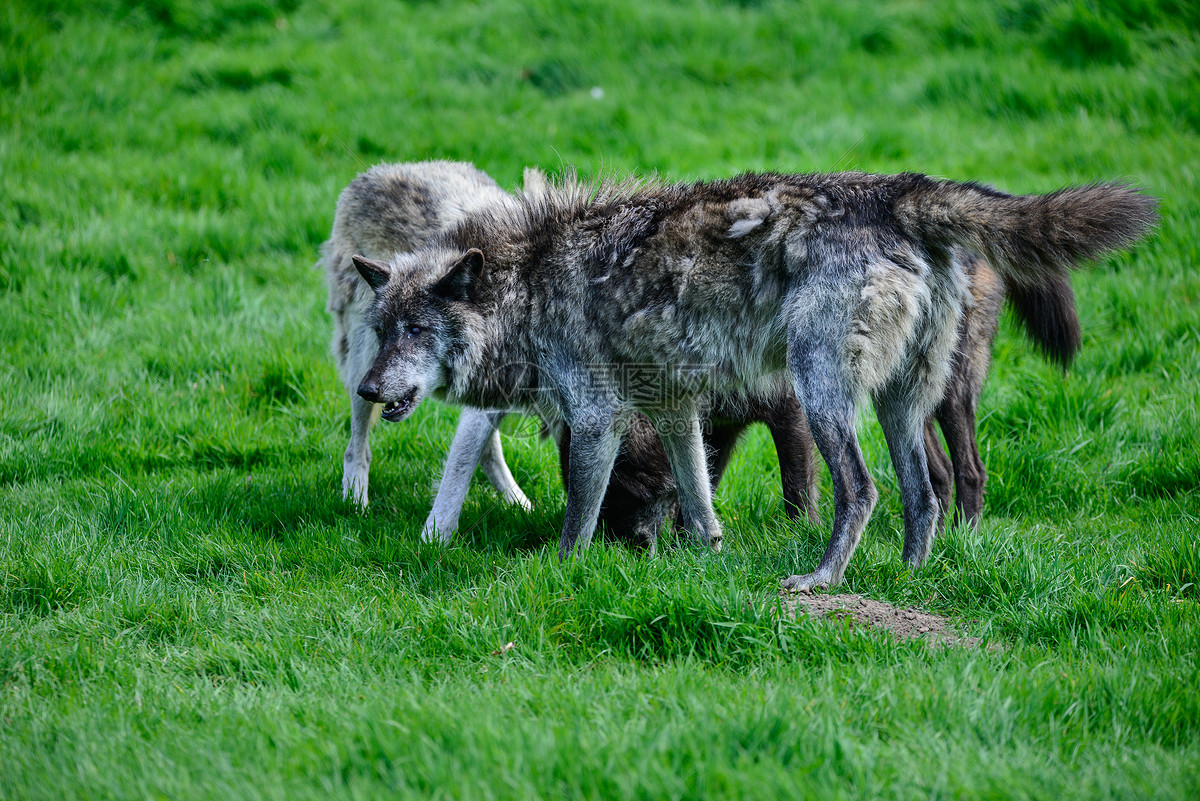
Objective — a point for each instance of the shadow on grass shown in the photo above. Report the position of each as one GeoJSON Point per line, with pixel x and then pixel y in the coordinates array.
{"type": "Point", "coordinates": [302, 523]}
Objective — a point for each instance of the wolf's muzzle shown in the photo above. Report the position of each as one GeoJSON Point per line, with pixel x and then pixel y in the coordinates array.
{"type": "Point", "coordinates": [398, 409]}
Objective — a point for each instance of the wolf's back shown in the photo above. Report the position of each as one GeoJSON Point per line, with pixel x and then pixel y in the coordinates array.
{"type": "Point", "coordinates": [1028, 239]}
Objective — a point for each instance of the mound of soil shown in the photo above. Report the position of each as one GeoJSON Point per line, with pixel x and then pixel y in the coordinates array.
{"type": "Point", "coordinates": [906, 624]}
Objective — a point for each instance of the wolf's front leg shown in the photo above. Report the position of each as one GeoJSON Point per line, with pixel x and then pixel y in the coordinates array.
{"type": "Point", "coordinates": [356, 464]}
{"type": "Point", "coordinates": [496, 469]}
{"type": "Point", "coordinates": [595, 440]}
{"type": "Point", "coordinates": [685, 451]}
{"type": "Point", "coordinates": [475, 430]}
{"type": "Point", "coordinates": [357, 348]}
{"type": "Point", "coordinates": [797, 459]}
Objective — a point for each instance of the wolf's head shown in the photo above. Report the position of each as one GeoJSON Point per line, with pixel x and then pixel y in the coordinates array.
{"type": "Point", "coordinates": [416, 317]}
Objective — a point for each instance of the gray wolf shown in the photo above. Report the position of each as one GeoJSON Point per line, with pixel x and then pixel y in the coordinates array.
{"type": "Point", "coordinates": [852, 283]}
{"type": "Point", "coordinates": [1047, 313]}
{"type": "Point", "coordinates": [397, 208]}
{"type": "Point", "coordinates": [388, 209]}
{"type": "Point", "coordinates": [641, 494]}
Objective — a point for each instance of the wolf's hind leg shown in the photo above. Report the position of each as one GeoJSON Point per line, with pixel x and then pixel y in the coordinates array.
{"type": "Point", "coordinates": [685, 451]}
{"type": "Point", "coordinates": [939, 471]}
{"type": "Point", "coordinates": [903, 428]}
{"type": "Point", "coordinates": [475, 429]}
{"type": "Point", "coordinates": [957, 418]}
{"type": "Point", "coordinates": [356, 464]}
{"type": "Point", "coordinates": [829, 406]}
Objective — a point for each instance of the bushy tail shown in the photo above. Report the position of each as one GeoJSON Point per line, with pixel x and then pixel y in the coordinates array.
{"type": "Point", "coordinates": [1028, 239]}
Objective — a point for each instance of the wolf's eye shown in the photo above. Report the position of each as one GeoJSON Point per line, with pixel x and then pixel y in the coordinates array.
{"type": "Point", "coordinates": [379, 333]}
{"type": "Point", "coordinates": [414, 331]}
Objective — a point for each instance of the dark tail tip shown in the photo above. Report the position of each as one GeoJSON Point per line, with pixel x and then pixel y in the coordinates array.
{"type": "Point", "coordinates": [1047, 311]}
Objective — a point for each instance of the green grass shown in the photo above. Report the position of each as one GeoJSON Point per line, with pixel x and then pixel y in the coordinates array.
{"type": "Point", "coordinates": [187, 608]}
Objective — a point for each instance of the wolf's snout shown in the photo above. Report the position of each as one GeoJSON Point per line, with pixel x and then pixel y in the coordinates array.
{"type": "Point", "coordinates": [369, 390]}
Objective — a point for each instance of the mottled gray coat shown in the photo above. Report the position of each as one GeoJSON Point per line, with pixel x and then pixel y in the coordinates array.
{"type": "Point", "coordinates": [852, 283]}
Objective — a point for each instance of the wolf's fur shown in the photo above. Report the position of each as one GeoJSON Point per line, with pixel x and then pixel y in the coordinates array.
{"type": "Point", "coordinates": [850, 282]}
{"type": "Point", "coordinates": [1047, 313]}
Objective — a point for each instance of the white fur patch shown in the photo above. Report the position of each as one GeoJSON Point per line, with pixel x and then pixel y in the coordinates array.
{"type": "Point", "coordinates": [891, 305]}
{"type": "Point", "coordinates": [747, 214]}
{"type": "Point", "coordinates": [743, 227]}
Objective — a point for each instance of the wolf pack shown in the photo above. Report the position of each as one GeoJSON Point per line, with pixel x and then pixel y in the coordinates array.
{"type": "Point", "coordinates": [648, 324]}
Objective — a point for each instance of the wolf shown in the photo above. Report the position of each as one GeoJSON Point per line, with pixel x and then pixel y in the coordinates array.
{"type": "Point", "coordinates": [852, 283]}
{"type": "Point", "coordinates": [387, 209]}
{"type": "Point", "coordinates": [641, 494]}
{"type": "Point", "coordinates": [395, 208]}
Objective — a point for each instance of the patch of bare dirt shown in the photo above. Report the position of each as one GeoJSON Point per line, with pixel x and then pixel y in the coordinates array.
{"type": "Point", "coordinates": [906, 624]}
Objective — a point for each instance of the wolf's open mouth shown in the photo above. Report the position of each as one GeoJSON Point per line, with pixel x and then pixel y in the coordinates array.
{"type": "Point", "coordinates": [397, 409]}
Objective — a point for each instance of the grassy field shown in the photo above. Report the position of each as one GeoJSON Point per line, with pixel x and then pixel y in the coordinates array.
{"type": "Point", "coordinates": [189, 610]}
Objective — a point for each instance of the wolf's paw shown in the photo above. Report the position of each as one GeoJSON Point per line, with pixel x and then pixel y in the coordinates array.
{"type": "Point", "coordinates": [432, 534]}
{"type": "Point", "coordinates": [806, 583]}
{"type": "Point", "coordinates": [354, 487]}
{"type": "Point", "coordinates": [517, 498]}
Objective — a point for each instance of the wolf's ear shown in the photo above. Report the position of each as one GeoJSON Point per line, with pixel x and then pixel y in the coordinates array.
{"type": "Point", "coordinates": [458, 283]}
{"type": "Point", "coordinates": [375, 273]}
